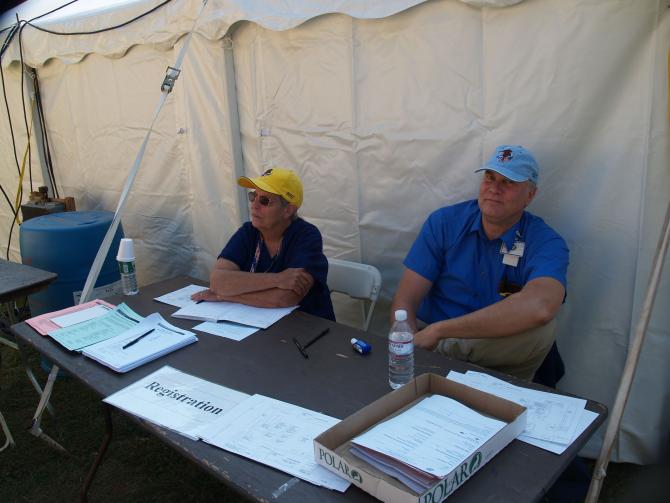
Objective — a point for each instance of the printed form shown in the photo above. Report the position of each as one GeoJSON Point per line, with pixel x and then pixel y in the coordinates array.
{"type": "Point", "coordinates": [260, 317]}
{"type": "Point", "coordinates": [277, 434]}
{"type": "Point", "coordinates": [554, 421]}
{"type": "Point", "coordinates": [434, 436]}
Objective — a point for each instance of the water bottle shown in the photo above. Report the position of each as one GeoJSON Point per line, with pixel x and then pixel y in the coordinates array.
{"type": "Point", "coordinates": [401, 351]}
{"type": "Point", "coordinates": [126, 259]}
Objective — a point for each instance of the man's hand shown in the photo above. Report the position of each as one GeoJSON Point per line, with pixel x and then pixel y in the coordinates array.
{"type": "Point", "coordinates": [295, 279]}
{"type": "Point", "coordinates": [427, 338]}
{"type": "Point", "coordinates": [207, 295]}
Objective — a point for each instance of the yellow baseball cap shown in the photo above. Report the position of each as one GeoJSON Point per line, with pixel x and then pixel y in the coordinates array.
{"type": "Point", "coordinates": [280, 181]}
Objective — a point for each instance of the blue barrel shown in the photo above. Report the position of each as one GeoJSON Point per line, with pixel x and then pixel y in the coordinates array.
{"type": "Point", "coordinates": [66, 243]}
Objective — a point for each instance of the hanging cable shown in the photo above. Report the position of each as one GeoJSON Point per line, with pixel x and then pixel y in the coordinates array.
{"type": "Point", "coordinates": [44, 136]}
{"type": "Point", "coordinates": [101, 30]}
{"type": "Point", "coordinates": [23, 106]}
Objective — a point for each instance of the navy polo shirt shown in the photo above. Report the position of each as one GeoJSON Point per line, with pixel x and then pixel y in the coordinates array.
{"type": "Point", "coordinates": [301, 247]}
{"type": "Point", "coordinates": [465, 267]}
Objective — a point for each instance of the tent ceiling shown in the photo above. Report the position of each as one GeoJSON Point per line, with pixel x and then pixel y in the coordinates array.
{"type": "Point", "coordinates": [167, 24]}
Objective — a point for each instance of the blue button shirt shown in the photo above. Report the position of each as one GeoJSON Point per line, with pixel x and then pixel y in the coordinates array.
{"type": "Point", "coordinates": [301, 247]}
{"type": "Point", "coordinates": [465, 267]}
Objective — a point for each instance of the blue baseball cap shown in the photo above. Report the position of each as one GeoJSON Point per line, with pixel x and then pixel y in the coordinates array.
{"type": "Point", "coordinates": [513, 162]}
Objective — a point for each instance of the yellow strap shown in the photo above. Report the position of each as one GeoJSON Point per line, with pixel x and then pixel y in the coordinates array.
{"type": "Point", "coordinates": [19, 190]}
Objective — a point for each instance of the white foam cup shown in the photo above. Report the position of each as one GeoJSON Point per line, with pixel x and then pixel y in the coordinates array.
{"type": "Point", "coordinates": [126, 251]}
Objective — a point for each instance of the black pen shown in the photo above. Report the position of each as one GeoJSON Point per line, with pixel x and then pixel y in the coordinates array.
{"type": "Point", "coordinates": [199, 301]}
{"type": "Point", "coordinates": [302, 348]}
{"type": "Point", "coordinates": [138, 339]}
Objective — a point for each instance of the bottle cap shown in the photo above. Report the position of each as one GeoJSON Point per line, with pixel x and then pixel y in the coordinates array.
{"type": "Point", "coordinates": [400, 315]}
{"type": "Point", "coordinates": [126, 251]}
{"type": "Point", "coordinates": [354, 341]}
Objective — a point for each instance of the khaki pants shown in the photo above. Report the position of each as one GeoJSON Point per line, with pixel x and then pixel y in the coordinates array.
{"type": "Point", "coordinates": [519, 355]}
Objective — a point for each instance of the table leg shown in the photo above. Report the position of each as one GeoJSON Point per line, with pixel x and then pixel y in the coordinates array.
{"type": "Point", "coordinates": [35, 428]}
{"type": "Point", "coordinates": [101, 453]}
{"type": "Point", "coordinates": [10, 441]}
{"type": "Point", "coordinates": [31, 376]}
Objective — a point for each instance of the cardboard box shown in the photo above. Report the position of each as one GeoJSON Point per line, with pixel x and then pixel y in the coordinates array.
{"type": "Point", "coordinates": [331, 448]}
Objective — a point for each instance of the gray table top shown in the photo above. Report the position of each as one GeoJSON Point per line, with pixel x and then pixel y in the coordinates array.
{"type": "Point", "coordinates": [17, 280]}
{"type": "Point", "coordinates": [335, 380]}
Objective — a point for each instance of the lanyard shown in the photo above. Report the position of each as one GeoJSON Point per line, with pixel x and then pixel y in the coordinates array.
{"type": "Point", "coordinates": [257, 255]}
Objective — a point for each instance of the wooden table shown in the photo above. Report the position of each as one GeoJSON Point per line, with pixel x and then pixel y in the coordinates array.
{"type": "Point", "coordinates": [335, 380]}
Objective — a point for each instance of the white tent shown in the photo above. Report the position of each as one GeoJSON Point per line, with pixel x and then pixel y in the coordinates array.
{"type": "Point", "coordinates": [384, 108]}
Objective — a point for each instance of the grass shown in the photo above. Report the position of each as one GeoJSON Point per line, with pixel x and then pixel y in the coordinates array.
{"type": "Point", "coordinates": [136, 467]}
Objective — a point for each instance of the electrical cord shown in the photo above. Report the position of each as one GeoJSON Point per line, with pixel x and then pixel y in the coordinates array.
{"type": "Point", "coordinates": [13, 30]}
{"type": "Point", "coordinates": [101, 30]}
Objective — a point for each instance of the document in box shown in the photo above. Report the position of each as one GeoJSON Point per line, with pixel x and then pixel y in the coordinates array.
{"type": "Point", "coordinates": [551, 417]}
{"type": "Point", "coordinates": [277, 434]}
{"type": "Point", "coordinates": [434, 437]}
{"type": "Point", "coordinates": [114, 322]}
{"type": "Point", "coordinates": [176, 400]}
{"type": "Point", "coordinates": [148, 340]}
{"type": "Point", "coordinates": [260, 317]}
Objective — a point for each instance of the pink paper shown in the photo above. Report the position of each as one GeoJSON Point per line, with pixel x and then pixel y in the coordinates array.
{"type": "Point", "coordinates": [44, 325]}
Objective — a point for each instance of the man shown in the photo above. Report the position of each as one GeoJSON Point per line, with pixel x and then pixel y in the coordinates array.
{"type": "Point", "coordinates": [277, 259]}
{"type": "Point", "coordinates": [487, 277]}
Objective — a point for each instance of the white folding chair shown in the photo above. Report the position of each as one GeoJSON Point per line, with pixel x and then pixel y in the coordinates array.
{"type": "Point", "coordinates": [358, 281]}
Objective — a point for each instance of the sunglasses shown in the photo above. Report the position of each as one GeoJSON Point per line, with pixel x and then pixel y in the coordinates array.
{"type": "Point", "coordinates": [262, 200]}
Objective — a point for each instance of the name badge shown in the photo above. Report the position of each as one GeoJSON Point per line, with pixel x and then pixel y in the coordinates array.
{"type": "Point", "coordinates": [511, 260]}
{"type": "Point", "coordinates": [511, 257]}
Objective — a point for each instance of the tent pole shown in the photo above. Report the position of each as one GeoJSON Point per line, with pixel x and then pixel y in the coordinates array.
{"type": "Point", "coordinates": [234, 123]}
{"type": "Point", "coordinates": [600, 470]}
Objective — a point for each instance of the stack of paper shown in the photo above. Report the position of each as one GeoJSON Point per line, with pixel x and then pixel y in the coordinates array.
{"type": "Point", "coordinates": [554, 421]}
{"type": "Point", "coordinates": [81, 330]}
{"type": "Point", "coordinates": [426, 442]}
{"type": "Point", "coordinates": [259, 317]}
{"type": "Point", "coordinates": [146, 341]}
{"type": "Point", "coordinates": [229, 330]}
{"type": "Point", "coordinates": [44, 324]}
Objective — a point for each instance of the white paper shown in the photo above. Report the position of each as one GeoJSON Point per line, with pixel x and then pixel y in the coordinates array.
{"type": "Point", "coordinates": [435, 436]}
{"type": "Point", "coordinates": [226, 329]}
{"type": "Point", "coordinates": [79, 316]}
{"type": "Point", "coordinates": [585, 419]}
{"type": "Point", "coordinates": [277, 434]}
{"type": "Point", "coordinates": [551, 417]}
{"type": "Point", "coordinates": [163, 339]}
{"type": "Point", "coordinates": [261, 317]}
{"type": "Point", "coordinates": [175, 400]}
{"type": "Point", "coordinates": [181, 297]}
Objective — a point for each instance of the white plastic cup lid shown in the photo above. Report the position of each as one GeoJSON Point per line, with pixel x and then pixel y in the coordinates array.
{"type": "Point", "coordinates": [400, 315]}
{"type": "Point", "coordinates": [126, 251]}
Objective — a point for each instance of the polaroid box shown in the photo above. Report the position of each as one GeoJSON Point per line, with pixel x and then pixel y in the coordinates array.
{"type": "Point", "coordinates": [331, 448]}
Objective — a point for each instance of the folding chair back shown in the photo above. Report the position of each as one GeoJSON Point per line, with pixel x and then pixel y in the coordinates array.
{"type": "Point", "coordinates": [358, 281]}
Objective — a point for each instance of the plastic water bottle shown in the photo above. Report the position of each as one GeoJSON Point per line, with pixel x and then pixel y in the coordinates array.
{"type": "Point", "coordinates": [401, 351]}
{"type": "Point", "coordinates": [126, 259]}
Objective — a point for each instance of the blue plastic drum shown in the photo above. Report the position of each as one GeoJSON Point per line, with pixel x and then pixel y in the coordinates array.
{"type": "Point", "coordinates": [66, 243]}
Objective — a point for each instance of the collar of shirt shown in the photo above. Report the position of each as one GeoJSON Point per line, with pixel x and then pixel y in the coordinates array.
{"type": "Point", "coordinates": [509, 236]}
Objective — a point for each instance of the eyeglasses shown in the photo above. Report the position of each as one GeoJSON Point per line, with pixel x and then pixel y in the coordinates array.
{"type": "Point", "coordinates": [263, 200]}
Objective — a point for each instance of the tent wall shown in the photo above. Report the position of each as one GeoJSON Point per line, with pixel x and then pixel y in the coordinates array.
{"type": "Point", "coordinates": [385, 120]}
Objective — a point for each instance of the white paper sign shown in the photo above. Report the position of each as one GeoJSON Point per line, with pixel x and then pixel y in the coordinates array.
{"type": "Point", "coordinates": [177, 401]}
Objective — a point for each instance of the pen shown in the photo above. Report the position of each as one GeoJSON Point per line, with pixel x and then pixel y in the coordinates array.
{"type": "Point", "coordinates": [302, 348]}
{"type": "Point", "coordinates": [138, 339]}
